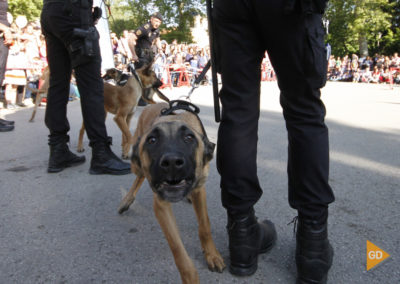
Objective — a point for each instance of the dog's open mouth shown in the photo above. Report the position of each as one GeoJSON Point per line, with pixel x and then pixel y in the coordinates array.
{"type": "Point", "coordinates": [174, 190]}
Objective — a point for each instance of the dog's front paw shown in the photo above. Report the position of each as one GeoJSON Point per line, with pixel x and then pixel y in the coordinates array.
{"type": "Point", "coordinates": [125, 156]}
{"type": "Point", "coordinates": [124, 206]}
{"type": "Point", "coordinates": [80, 149]}
{"type": "Point", "coordinates": [215, 262]}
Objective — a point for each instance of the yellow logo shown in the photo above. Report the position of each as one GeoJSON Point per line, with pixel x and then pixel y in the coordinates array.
{"type": "Point", "coordinates": [375, 255]}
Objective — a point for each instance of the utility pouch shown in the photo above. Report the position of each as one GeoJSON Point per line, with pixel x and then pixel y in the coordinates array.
{"type": "Point", "coordinates": [82, 49]}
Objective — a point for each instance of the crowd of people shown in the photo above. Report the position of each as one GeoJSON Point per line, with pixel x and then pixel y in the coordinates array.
{"type": "Point", "coordinates": [27, 58]}
{"type": "Point", "coordinates": [25, 62]}
{"type": "Point", "coordinates": [169, 61]}
{"type": "Point", "coordinates": [376, 69]}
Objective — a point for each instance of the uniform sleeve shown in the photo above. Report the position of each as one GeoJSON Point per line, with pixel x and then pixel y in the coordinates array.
{"type": "Point", "coordinates": [141, 31]}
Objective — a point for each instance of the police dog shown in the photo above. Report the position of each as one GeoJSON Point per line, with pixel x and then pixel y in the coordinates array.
{"type": "Point", "coordinates": [121, 78]}
{"type": "Point", "coordinates": [122, 101]}
{"type": "Point", "coordinates": [173, 153]}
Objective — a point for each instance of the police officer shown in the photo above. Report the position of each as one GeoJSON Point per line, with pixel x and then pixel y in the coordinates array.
{"type": "Point", "coordinates": [144, 45]}
{"type": "Point", "coordinates": [72, 43]}
{"type": "Point", "coordinates": [148, 40]}
{"type": "Point", "coordinates": [291, 32]}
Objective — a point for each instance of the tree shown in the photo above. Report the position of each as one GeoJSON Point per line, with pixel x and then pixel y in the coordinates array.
{"type": "Point", "coordinates": [391, 37]}
{"type": "Point", "coordinates": [29, 8]}
{"type": "Point", "coordinates": [128, 14]}
{"type": "Point", "coordinates": [357, 25]}
{"type": "Point", "coordinates": [178, 16]}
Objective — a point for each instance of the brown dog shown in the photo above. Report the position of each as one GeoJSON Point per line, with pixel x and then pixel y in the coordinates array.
{"type": "Point", "coordinates": [173, 153]}
{"type": "Point", "coordinates": [41, 92]}
{"type": "Point", "coordinates": [122, 101]}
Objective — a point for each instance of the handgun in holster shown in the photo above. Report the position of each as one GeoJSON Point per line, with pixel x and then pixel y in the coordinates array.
{"type": "Point", "coordinates": [82, 47]}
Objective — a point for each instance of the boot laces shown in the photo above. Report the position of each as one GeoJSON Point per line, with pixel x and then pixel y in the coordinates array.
{"type": "Point", "coordinates": [294, 221]}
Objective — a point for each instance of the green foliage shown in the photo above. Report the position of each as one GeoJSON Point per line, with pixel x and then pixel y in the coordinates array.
{"type": "Point", "coordinates": [357, 22]}
{"type": "Point", "coordinates": [178, 16]}
{"type": "Point", "coordinates": [29, 8]}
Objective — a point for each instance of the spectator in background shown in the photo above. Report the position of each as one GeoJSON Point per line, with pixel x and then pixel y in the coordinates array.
{"type": "Point", "coordinates": [376, 74]}
{"type": "Point", "coordinates": [366, 76]}
{"type": "Point", "coordinates": [202, 58]}
{"type": "Point", "coordinates": [354, 62]}
{"type": "Point", "coordinates": [395, 62]}
{"type": "Point", "coordinates": [357, 75]}
{"type": "Point", "coordinates": [15, 76]}
{"type": "Point", "coordinates": [385, 76]}
{"type": "Point", "coordinates": [123, 48]}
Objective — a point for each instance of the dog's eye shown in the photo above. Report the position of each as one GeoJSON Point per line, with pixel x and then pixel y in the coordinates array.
{"type": "Point", "coordinates": [188, 138]}
{"type": "Point", "coordinates": [151, 140]}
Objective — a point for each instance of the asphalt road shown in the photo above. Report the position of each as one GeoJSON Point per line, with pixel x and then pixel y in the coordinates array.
{"type": "Point", "coordinates": [64, 228]}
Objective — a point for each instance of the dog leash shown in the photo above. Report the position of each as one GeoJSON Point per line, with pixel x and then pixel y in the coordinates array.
{"type": "Point", "coordinates": [198, 80]}
{"type": "Point", "coordinates": [132, 69]}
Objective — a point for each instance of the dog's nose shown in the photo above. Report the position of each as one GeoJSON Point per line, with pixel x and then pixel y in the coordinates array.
{"type": "Point", "coordinates": [171, 162]}
{"type": "Point", "coordinates": [158, 84]}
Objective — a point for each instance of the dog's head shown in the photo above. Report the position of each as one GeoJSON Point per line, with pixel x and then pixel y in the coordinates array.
{"type": "Point", "coordinates": [174, 157]}
{"type": "Point", "coordinates": [148, 77]}
{"type": "Point", "coordinates": [113, 73]}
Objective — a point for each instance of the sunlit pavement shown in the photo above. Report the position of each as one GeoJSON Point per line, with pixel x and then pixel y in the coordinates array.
{"type": "Point", "coordinates": [64, 228]}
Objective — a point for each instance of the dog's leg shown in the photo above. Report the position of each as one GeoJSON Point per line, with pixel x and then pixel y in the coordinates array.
{"type": "Point", "coordinates": [213, 258]}
{"type": "Point", "coordinates": [131, 195]}
{"type": "Point", "coordinates": [80, 139]}
{"type": "Point", "coordinates": [128, 123]}
{"type": "Point", "coordinates": [37, 102]}
{"type": "Point", "coordinates": [121, 122]}
{"type": "Point", "coordinates": [166, 219]}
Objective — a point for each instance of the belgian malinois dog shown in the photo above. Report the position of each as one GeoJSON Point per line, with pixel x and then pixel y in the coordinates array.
{"type": "Point", "coordinates": [122, 101]}
{"type": "Point", "coordinates": [173, 153]}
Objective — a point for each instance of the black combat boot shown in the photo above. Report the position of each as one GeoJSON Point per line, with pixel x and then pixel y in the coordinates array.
{"type": "Point", "coordinates": [247, 239]}
{"type": "Point", "coordinates": [6, 125]}
{"type": "Point", "coordinates": [104, 161]}
{"type": "Point", "coordinates": [6, 122]}
{"type": "Point", "coordinates": [61, 157]}
{"type": "Point", "coordinates": [314, 253]}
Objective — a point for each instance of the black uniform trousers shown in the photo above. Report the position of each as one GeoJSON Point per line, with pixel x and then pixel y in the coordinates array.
{"type": "Point", "coordinates": [295, 44]}
{"type": "Point", "coordinates": [57, 26]}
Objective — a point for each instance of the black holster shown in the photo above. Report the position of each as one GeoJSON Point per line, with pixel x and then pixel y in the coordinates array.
{"type": "Point", "coordinates": [82, 47]}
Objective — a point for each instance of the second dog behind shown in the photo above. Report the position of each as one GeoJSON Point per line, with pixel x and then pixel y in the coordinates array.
{"type": "Point", "coordinates": [122, 101]}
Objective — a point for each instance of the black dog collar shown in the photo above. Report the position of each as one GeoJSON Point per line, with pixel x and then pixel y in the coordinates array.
{"type": "Point", "coordinates": [183, 105]}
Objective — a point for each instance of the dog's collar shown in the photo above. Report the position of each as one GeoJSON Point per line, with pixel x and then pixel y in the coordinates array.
{"type": "Point", "coordinates": [176, 105]}
{"type": "Point", "coordinates": [180, 105]}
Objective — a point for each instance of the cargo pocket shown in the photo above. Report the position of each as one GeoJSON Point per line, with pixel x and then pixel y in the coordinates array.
{"type": "Point", "coordinates": [316, 63]}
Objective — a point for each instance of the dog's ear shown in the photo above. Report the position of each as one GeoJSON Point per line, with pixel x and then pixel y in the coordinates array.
{"type": "Point", "coordinates": [208, 150]}
{"type": "Point", "coordinates": [135, 158]}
